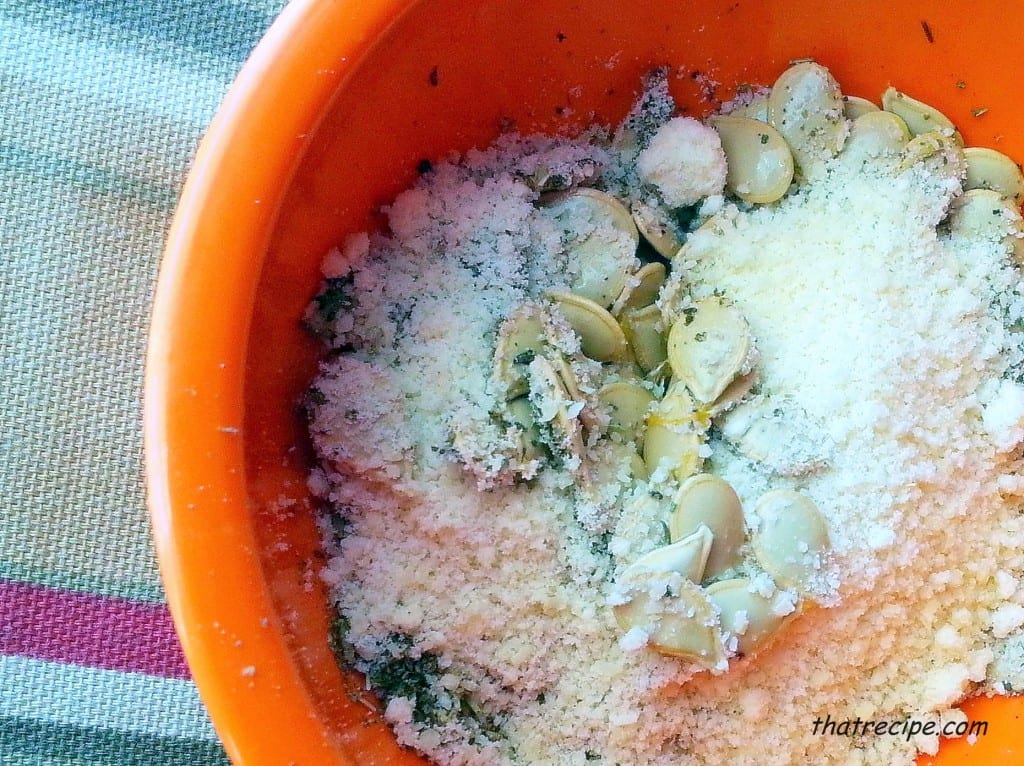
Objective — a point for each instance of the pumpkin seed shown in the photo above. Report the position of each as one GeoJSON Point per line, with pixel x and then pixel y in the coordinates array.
{"type": "Point", "coordinates": [734, 393]}
{"type": "Point", "coordinates": [987, 214]}
{"type": "Point", "coordinates": [943, 155]}
{"type": "Point", "coordinates": [760, 163]}
{"type": "Point", "coordinates": [705, 500]}
{"type": "Point", "coordinates": [656, 227]}
{"type": "Point", "coordinates": [642, 329]}
{"type": "Point", "coordinates": [919, 116]}
{"type": "Point", "coordinates": [551, 403]}
{"type": "Point", "coordinates": [709, 347]}
{"type": "Point", "coordinates": [520, 413]}
{"type": "Point", "coordinates": [791, 541]}
{"type": "Point", "coordinates": [681, 624]}
{"type": "Point", "coordinates": [753, 619]}
{"type": "Point", "coordinates": [602, 241]}
{"type": "Point", "coordinates": [641, 289]}
{"type": "Point", "coordinates": [638, 467]}
{"type": "Point", "coordinates": [627, 405]}
{"type": "Point", "coordinates": [778, 435]}
{"type": "Point", "coordinates": [687, 556]}
{"type": "Point", "coordinates": [876, 134]}
{"type": "Point", "coordinates": [675, 434]}
{"type": "Point", "coordinates": [855, 106]}
{"type": "Point", "coordinates": [544, 180]}
{"type": "Point", "coordinates": [601, 338]}
{"type": "Point", "coordinates": [807, 108]}
{"type": "Point", "coordinates": [989, 169]}
{"type": "Point", "coordinates": [566, 374]}
{"type": "Point", "coordinates": [520, 338]}
{"type": "Point", "coordinates": [755, 109]}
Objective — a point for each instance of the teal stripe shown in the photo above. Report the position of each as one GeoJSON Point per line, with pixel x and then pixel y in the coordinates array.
{"type": "Point", "coordinates": [30, 743]}
{"type": "Point", "coordinates": [88, 176]}
{"type": "Point", "coordinates": [220, 29]}
{"type": "Point", "coordinates": [132, 704]}
{"type": "Point", "coordinates": [78, 582]}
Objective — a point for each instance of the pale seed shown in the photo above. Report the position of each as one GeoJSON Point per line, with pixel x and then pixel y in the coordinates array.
{"type": "Point", "coordinates": [807, 108]}
{"type": "Point", "coordinates": [760, 163]}
{"type": "Point", "coordinates": [601, 337]}
{"type": "Point", "coordinates": [792, 541]}
{"type": "Point", "coordinates": [643, 331]}
{"type": "Point", "coordinates": [708, 501]}
{"type": "Point", "coordinates": [604, 253]}
{"type": "Point", "coordinates": [709, 347]}
{"type": "Point", "coordinates": [752, 618]}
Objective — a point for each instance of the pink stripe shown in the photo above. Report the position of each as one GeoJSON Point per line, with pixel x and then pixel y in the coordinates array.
{"type": "Point", "coordinates": [86, 629]}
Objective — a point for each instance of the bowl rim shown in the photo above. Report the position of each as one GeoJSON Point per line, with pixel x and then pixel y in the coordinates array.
{"type": "Point", "coordinates": [193, 397]}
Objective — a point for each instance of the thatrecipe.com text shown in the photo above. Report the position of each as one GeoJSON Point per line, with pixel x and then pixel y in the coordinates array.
{"type": "Point", "coordinates": [903, 727]}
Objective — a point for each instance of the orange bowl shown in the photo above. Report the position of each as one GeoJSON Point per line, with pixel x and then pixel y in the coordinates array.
{"type": "Point", "coordinates": [330, 118]}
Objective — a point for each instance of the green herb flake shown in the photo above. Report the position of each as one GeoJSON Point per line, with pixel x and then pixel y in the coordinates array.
{"type": "Point", "coordinates": [335, 297]}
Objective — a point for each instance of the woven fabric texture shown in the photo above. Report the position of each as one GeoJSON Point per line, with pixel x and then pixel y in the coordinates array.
{"type": "Point", "coordinates": [102, 106]}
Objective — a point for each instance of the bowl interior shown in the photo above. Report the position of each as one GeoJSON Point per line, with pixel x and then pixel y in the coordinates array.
{"type": "Point", "coordinates": [444, 75]}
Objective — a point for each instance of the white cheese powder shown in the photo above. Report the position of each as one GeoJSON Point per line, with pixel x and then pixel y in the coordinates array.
{"type": "Point", "coordinates": [891, 337]}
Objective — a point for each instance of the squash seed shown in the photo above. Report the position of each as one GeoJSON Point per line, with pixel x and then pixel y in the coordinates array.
{"type": "Point", "coordinates": [734, 394]}
{"type": "Point", "coordinates": [641, 289]}
{"type": "Point", "coordinates": [807, 108]}
{"type": "Point", "coordinates": [687, 556]}
{"type": "Point", "coordinates": [876, 134]}
{"type": "Point", "coordinates": [603, 252]}
{"type": "Point", "coordinates": [655, 227]}
{"type": "Point", "coordinates": [567, 375]}
{"type": "Point", "coordinates": [987, 214]}
{"type": "Point", "coordinates": [855, 106]}
{"type": "Point", "coordinates": [681, 624]}
{"type": "Point", "coordinates": [601, 338]}
{"type": "Point", "coordinates": [989, 169]}
{"type": "Point", "coordinates": [752, 618]}
{"type": "Point", "coordinates": [943, 155]}
{"type": "Point", "coordinates": [638, 467]}
{"type": "Point", "coordinates": [919, 116]}
{"type": "Point", "coordinates": [760, 163]}
{"type": "Point", "coordinates": [627, 404]}
{"type": "Point", "coordinates": [708, 348]}
{"type": "Point", "coordinates": [520, 413]}
{"type": "Point", "coordinates": [792, 541]}
{"type": "Point", "coordinates": [675, 434]}
{"type": "Point", "coordinates": [705, 500]}
{"type": "Point", "coordinates": [642, 328]}
{"type": "Point", "coordinates": [520, 338]}
{"type": "Point", "coordinates": [755, 109]}
{"type": "Point", "coordinates": [551, 403]}
{"type": "Point", "coordinates": [777, 434]}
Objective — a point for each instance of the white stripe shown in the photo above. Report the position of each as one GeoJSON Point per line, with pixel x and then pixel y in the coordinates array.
{"type": "Point", "coordinates": [54, 693]}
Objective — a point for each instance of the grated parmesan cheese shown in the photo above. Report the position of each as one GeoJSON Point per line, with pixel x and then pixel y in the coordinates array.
{"type": "Point", "coordinates": [481, 608]}
{"type": "Point", "coordinates": [684, 160]}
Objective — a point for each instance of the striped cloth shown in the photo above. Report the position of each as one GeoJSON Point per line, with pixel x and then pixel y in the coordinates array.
{"type": "Point", "coordinates": [102, 105]}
